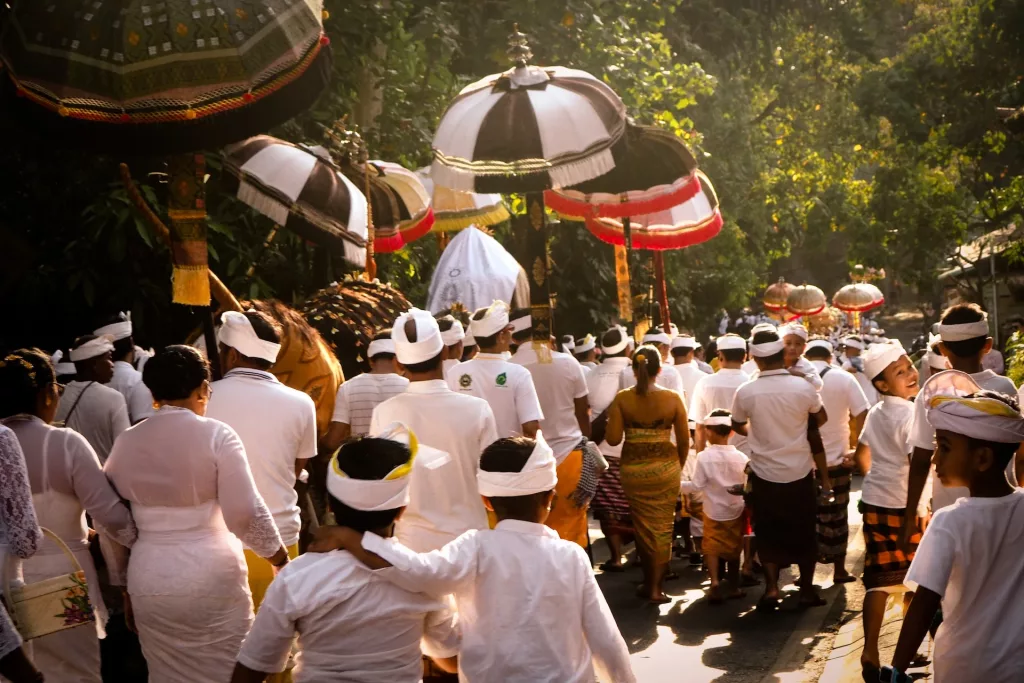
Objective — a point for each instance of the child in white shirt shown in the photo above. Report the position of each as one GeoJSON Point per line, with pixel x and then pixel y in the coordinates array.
{"type": "Point", "coordinates": [529, 608]}
{"type": "Point", "coordinates": [721, 474]}
{"type": "Point", "coordinates": [970, 558]}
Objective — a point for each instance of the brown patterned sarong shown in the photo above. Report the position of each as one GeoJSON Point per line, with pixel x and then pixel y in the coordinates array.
{"type": "Point", "coordinates": [610, 505]}
{"type": "Point", "coordinates": [650, 474]}
{"type": "Point", "coordinates": [833, 518]}
{"type": "Point", "coordinates": [884, 563]}
{"type": "Point", "coordinates": [723, 539]}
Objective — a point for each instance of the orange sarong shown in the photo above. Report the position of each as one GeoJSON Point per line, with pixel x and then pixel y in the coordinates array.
{"type": "Point", "coordinates": [723, 539]}
{"type": "Point", "coordinates": [566, 517]}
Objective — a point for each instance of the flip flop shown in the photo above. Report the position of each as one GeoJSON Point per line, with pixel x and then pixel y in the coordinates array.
{"type": "Point", "coordinates": [869, 672]}
{"type": "Point", "coordinates": [815, 601]}
{"type": "Point", "coordinates": [767, 604]}
{"type": "Point", "coordinates": [849, 578]}
{"type": "Point", "coordinates": [610, 567]}
{"type": "Point", "coordinates": [663, 600]}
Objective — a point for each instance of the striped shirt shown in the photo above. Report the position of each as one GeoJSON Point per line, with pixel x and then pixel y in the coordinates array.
{"type": "Point", "coordinates": [358, 397]}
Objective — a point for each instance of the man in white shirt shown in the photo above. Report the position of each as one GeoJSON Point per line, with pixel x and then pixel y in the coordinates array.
{"type": "Point", "coordinates": [352, 624]}
{"type": "Point", "coordinates": [853, 347]}
{"type": "Point", "coordinates": [783, 492]}
{"type": "Point", "coordinates": [718, 390]}
{"type": "Point", "coordinates": [97, 412]}
{"type": "Point", "coordinates": [683, 348]}
{"type": "Point", "coordinates": [562, 389]}
{"type": "Point", "coordinates": [277, 426]}
{"type": "Point", "coordinates": [604, 382]}
{"type": "Point", "coordinates": [586, 352]}
{"type": "Point", "coordinates": [454, 337]}
{"type": "Point", "coordinates": [964, 342]}
{"type": "Point", "coordinates": [127, 379]}
{"type": "Point", "coordinates": [507, 387]}
{"type": "Point", "coordinates": [358, 397]}
{"type": "Point", "coordinates": [452, 430]}
{"type": "Point", "coordinates": [698, 359]}
{"type": "Point", "coordinates": [845, 403]}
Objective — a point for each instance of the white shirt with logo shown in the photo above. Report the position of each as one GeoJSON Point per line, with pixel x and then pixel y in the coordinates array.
{"type": "Point", "coordinates": [507, 388]}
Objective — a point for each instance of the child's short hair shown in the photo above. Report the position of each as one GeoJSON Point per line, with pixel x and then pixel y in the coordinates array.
{"type": "Point", "coordinates": [962, 314]}
{"type": "Point", "coordinates": [1003, 452]}
{"type": "Point", "coordinates": [510, 455]}
{"type": "Point", "coordinates": [720, 430]}
{"type": "Point", "coordinates": [368, 459]}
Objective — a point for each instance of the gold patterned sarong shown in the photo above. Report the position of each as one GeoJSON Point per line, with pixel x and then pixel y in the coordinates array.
{"type": "Point", "coordinates": [566, 517]}
{"type": "Point", "coordinates": [650, 479]}
{"type": "Point", "coordinates": [723, 539]}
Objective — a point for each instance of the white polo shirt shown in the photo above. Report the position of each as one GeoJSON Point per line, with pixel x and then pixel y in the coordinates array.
{"type": "Point", "coordinates": [887, 432]}
{"type": "Point", "coordinates": [603, 383]}
{"type": "Point", "coordinates": [718, 468]}
{"type": "Point", "coordinates": [776, 405]}
{"type": "Point", "coordinates": [842, 396]}
{"type": "Point", "coordinates": [717, 391]}
{"type": "Point", "coordinates": [689, 375]}
{"type": "Point", "coordinates": [137, 396]}
{"type": "Point", "coordinates": [100, 416]}
{"type": "Point", "coordinates": [357, 397]}
{"type": "Point", "coordinates": [277, 426]}
{"type": "Point", "coordinates": [558, 383]}
{"type": "Point", "coordinates": [507, 388]}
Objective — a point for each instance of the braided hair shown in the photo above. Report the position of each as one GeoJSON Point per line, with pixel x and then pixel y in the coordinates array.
{"type": "Point", "coordinates": [23, 374]}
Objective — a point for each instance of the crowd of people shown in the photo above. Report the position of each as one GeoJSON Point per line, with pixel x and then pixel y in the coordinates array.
{"type": "Point", "coordinates": [463, 470]}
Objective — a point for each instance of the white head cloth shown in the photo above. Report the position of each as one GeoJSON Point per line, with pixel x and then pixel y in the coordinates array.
{"type": "Point", "coordinates": [92, 348]}
{"type": "Point", "coordinates": [820, 344]}
{"type": "Point", "coordinates": [731, 342]}
{"type": "Point", "coordinates": [494, 321]}
{"type": "Point", "coordinates": [389, 493]}
{"type": "Point", "coordinates": [236, 331]}
{"type": "Point", "coordinates": [378, 346]}
{"type": "Point", "coordinates": [684, 341]}
{"type": "Point", "coordinates": [428, 342]}
{"type": "Point", "coordinates": [118, 330]}
{"type": "Point", "coordinates": [522, 323]}
{"type": "Point", "coordinates": [624, 341]}
{"type": "Point", "coordinates": [795, 329]}
{"type": "Point", "coordinates": [766, 349]}
{"type": "Point", "coordinates": [658, 337]}
{"type": "Point", "coordinates": [853, 342]}
{"type": "Point", "coordinates": [763, 327]}
{"type": "Point", "coordinates": [673, 330]}
{"type": "Point", "coordinates": [718, 421]}
{"type": "Point", "coordinates": [964, 331]}
{"type": "Point", "coordinates": [469, 340]}
{"type": "Point", "coordinates": [61, 368]}
{"type": "Point", "coordinates": [880, 356]}
{"type": "Point", "coordinates": [454, 334]}
{"type": "Point", "coordinates": [588, 343]}
{"type": "Point", "coordinates": [538, 475]}
{"type": "Point", "coordinates": [985, 419]}
{"type": "Point", "coordinates": [568, 343]}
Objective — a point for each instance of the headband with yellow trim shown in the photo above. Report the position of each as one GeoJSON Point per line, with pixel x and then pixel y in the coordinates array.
{"type": "Point", "coordinates": [388, 493]}
{"type": "Point", "coordinates": [981, 418]}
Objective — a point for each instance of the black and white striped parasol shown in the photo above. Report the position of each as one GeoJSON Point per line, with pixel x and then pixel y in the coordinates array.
{"type": "Point", "coordinates": [302, 190]}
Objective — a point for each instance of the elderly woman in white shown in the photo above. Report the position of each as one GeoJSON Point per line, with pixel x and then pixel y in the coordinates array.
{"type": "Point", "coordinates": [195, 503]}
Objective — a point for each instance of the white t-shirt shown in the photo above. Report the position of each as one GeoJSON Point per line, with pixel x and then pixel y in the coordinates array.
{"type": "Point", "coordinates": [922, 434]}
{"type": "Point", "coordinates": [689, 375]}
{"type": "Point", "coordinates": [558, 383]}
{"type": "Point", "coordinates": [507, 388]}
{"type": "Point", "coordinates": [887, 432]}
{"type": "Point", "coordinates": [749, 367]}
{"type": "Point", "coordinates": [718, 468]}
{"type": "Point", "coordinates": [843, 398]}
{"type": "Point", "coordinates": [277, 426]}
{"type": "Point", "coordinates": [100, 416]}
{"type": "Point", "coordinates": [777, 405]}
{"type": "Point", "coordinates": [352, 623]}
{"type": "Point", "coordinates": [715, 392]}
{"type": "Point", "coordinates": [137, 396]}
{"type": "Point", "coordinates": [603, 383]}
{"type": "Point", "coordinates": [358, 396]}
{"type": "Point", "coordinates": [971, 555]}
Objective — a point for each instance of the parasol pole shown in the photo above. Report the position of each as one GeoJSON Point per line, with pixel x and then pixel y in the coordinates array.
{"type": "Point", "coordinates": [371, 264]}
{"type": "Point", "coordinates": [856, 321]}
{"type": "Point", "coordinates": [538, 266]}
{"type": "Point", "coordinates": [662, 289]}
{"type": "Point", "coordinates": [266, 245]}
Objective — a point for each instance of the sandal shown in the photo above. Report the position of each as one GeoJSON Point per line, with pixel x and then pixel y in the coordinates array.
{"type": "Point", "coordinates": [766, 604]}
{"type": "Point", "coordinates": [749, 580]}
{"type": "Point", "coordinates": [663, 600]}
{"type": "Point", "coordinates": [849, 578]}
{"type": "Point", "coordinates": [814, 601]}
{"type": "Point", "coordinates": [610, 566]}
{"type": "Point", "coordinates": [715, 596]}
{"type": "Point", "coordinates": [869, 672]}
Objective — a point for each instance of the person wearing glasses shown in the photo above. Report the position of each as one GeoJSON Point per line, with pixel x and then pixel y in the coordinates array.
{"type": "Point", "coordinates": [67, 481]}
{"type": "Point", "coordinates": [192, 493]}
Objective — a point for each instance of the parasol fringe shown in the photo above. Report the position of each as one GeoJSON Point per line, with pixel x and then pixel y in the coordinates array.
{"type": "Point", "coordinates": [498, 214]}
{"type": "Point", "coordinates": [663, 240]}
{"type": "Point", "coordinates": [268, 206]}
{"type": "Point", "coordinates": [577, 172]}
{"type": "Point", "coordinates": [190, 285]}
{"type": "Point", "coordinates": [392, 243]}
{"type": "Point", "coordinates": [580, 208]}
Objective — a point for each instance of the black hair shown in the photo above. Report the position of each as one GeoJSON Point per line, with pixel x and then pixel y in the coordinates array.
{"type": "Point", "coordinates": [23, 374]}
{"type": "Point", "coordinates": [525, 335]}
{"type": "Point", "coordinates": [384, 355]}
{"type": "Point", "coordinates": [721, 430]}
{"type": "Point", "coordinates": [818, 352]}
{"type": "Point", "coordinates": [959, 315]}
{"type": "Point", "coordinates": [682, 351]}
{"type": "Point", "coordinates": [175, 372]}
{"type": "Point", "coordinates": [367, 459]}
{"type": "Point", "coordinates": [1003, 452]}
{"type": "Point", "coordinates": [613, 337]}
{"type": "Point", "coordinates": [564, 344]}
{"type": "Point", "coordinates": [765, 337]}
{"type": "Point", "coordinates": [646, 365]}
{"type": "Point", "coordinates": [510, 455]}
{"type": "Point", "coordinates": [733, 355]}
{"type": "Point", "coordinates": [267, 329]}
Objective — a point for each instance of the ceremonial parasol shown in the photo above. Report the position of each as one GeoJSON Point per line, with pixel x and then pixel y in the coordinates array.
{"type": "Point", "coordinates": [776, 295]}
{"type": "Point", "coordinates": [301, 190]}
{"type": "Point", "coordinates": [857, 298]}
{"type": "Point", "coordinates": [806, 300]}
{"type": "Point", "coordinates": [456, 210]}
{"type": "Point", "coordinates": [529, 129]}
{"type": "Point", "coordinates": [401, 206]}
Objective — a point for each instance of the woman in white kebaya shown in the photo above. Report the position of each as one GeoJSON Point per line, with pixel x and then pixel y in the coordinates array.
{"type": "Point", "coordinates": [195, 503]}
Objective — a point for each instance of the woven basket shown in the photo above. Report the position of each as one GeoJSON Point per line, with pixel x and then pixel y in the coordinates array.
{"type": "Point", "coordinates": [51, 605]}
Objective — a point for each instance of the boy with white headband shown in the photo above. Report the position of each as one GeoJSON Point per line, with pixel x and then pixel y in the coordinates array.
{"type": "Point", "coordinates": [507, 387]}
{"type": "Point", "coordinates": [277, 426]}
{"type": "Point", "coordinates": [127, 379]}
{"type": "Point", "coordinates": [358, 396]}
{"type": "Point", "coordinates": [586, 352]}
{"type": "Point", "coordinates": [444, 501]}
{"type": "Point", "coordinates": [882, 455]}
{"type": "Point", "coordinates": [351, 624]}
{"type": "Point", "coordinates": [970, 558]}
{"type": "Point", "coordinates": [964, 341]}
{"type": "Point", "coordinates": [454, 335]}
{"type": "Point", "coordinates": [718, 390]}
{"type": "Point", "coordinates": [567, 634]}
{"type": "Point", "coordinates": [97, 412]}
{"type": "Point", "coordinates": [750, 366]}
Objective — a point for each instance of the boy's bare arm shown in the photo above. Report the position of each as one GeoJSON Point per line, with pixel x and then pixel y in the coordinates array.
{"type": "Point", "coordinates": [330, 538]}
{"type": "Point", "coordinates": [915, 626]}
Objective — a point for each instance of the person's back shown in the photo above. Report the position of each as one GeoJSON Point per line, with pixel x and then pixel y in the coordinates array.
{"type": "Point", "coordinates": [358, 397]}
{"type": "Point", "coordinates": [559, 381]}
{"type": "Point", "coordinates": [507, 387]}
{"type": "Point", "coordinates": [656, 410]}
{"type": "Point", "coordinates": [96, 411]}
{"type": "Point", "coordinates": [843, 398]}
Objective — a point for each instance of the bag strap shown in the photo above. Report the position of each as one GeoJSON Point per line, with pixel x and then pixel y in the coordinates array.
{"type": "Point", "coordinates": [67, 418]}
{"type": "Point", "coordinates": [76, 567]}
{"type": "Point", "coordinates": [825, 371]}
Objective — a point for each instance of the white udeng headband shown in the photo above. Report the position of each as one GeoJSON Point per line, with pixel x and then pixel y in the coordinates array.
{"type": "Point", "coordinates": [522, 324]}
{"type": "Point", "coordinates": [119, 330]}
{"type": "Point", "coordinates": [964, 331]}
{"type": "Point", "coordinates": [684, 342]}
{"type": "Point", "coordinates": [61, 368]}
{"type": "Point", "coordinates": [538, 475]}
{"type": "Point", "coordinates": [727, 343]}
{"type": "Point", "coordinates": [880, 356]}
{"type": "Point", "coordinates": [657, 338]}
{"type": "Point", "coordinates": [493, 322]}
{"type": "Point", "coordinates": [428, 335]}
{"type": "Point", "coordinates": [388, 493]}
{"type": "Point", "coordinates": [718, 421]}
{"type": "Point", "coordinates": [588, 343]}
{"type": "Point", "coordinates": [623, 343]}
{"type": "Point", "coordinates": [820, 344]}
{"type": "Point", "coordinates": [853, 343]}
{"type": "Point", "coordinates": [236, 331]}
{"type": "Point", "coordinates": [378, 346]}
{"type": "Point", "coordinates": [454, 334]}
{"type": "Point", "coordinates": [766, 349]}
{"type": "Point", "coordinates": [92, 348]}
{"type": "Point", "coordinates": [985, 419]}
{"type": "Point", "coordinates": [798, 330]}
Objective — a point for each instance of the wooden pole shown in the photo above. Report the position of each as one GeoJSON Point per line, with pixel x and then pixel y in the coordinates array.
{"type": "Point", "coordinates": [662, 289]}
{"type": "Point", "coordinates": [537, 265]}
